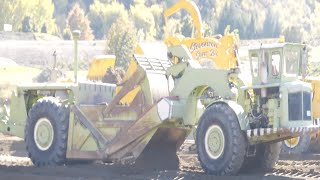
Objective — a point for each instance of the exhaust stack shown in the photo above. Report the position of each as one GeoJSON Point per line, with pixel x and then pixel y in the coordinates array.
{"type": "Point", "coordinates": [76, 36]}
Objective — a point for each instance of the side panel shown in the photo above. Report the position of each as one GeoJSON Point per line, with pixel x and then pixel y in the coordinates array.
{"type": "Point", "coordinates": [18, 115]}
{"type": "Point", "coordinates": [80, 136]}
{"type": "Point", "coordinates": [194, 78]}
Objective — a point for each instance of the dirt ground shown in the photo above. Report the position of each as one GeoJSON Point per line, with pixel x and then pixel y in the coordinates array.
{"type": "Point", "coordinates": [15, 165]}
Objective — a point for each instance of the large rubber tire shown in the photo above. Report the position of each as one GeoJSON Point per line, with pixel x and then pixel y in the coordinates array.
{"type": "Point", "coordinates": [299, 147]}
{"type": "Point", "coordinates": [265, 158]}
{"type": "Point", "coordinates": [314, 146]}
{"type": "Point", "coordinates": [228, 159]}
{"type": "Point", "coordinates": [268, 155]}
{"type": "Point", "coordinates": [47, 116]}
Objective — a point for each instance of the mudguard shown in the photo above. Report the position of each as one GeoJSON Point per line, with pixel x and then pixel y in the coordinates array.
{"type": "Point", "coordinates": [239, 112]}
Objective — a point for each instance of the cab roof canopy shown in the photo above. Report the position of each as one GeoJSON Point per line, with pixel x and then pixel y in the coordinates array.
{"type": "Point", "coordinates": [274, 45]}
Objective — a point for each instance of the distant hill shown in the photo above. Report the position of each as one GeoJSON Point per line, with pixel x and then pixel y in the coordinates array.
{"type": "Point", "coordinates": [39, 53]}
{"type": "Point", "coordinates": [7, 62]}
{"type": "Point", "coordinates": [26, 36]}
{"type": "Point", "coordinates": [16, 36]}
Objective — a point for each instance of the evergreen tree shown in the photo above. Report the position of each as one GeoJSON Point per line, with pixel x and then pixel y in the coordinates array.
{"type": "Point", "coordinates": [78, 21]}
{"type": "Point", "coordinates": [143, 19]}
{"type": "Point", "coordinates": [121, 41]}
{"type": "Point", "coordinates": [103, 15]}
{"type": "Point", "coordinates": [26, 24]}
{"type": "Point", "coordinates": [44, 29]}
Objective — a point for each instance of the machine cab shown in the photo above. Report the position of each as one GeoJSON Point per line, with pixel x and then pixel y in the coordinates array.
{"type": "Point", "coordinates": [273, 63]}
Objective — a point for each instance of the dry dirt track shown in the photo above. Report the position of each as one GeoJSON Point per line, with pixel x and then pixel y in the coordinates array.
{"type": "Point", "coordinates": [15, 166]}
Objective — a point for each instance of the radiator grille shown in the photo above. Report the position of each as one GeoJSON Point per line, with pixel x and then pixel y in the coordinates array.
{"type": "Point", "coordinates": [299, 106]}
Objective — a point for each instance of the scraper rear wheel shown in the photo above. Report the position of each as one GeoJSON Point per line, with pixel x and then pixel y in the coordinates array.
{"type": "Point", "coordinates": [46, 132]}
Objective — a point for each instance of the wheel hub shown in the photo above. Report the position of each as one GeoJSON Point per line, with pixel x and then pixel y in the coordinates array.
{"type": "Point", "coordinates": [214, 141]}
{"type": "Point", "coordinates": [43, 134]}
{"type": "Point", "coordinates": [293, 142]}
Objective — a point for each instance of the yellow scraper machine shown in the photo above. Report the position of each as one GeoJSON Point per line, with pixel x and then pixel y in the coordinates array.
{"type": "Point", "coordinates": [145, 118]}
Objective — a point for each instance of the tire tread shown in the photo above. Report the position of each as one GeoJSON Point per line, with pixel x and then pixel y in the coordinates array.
{"type": "Point", "coordinates": [238, 140]}
{"type": "Point", "coordinates": [49, 106]}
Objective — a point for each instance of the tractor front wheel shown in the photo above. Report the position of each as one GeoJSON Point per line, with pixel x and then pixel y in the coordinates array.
{"type": "Point", "coordinates": [265, 158]}
{"type": "Point", "coordinates": [220, 142]}
{"type": "Point", "coordinates": [46, 132]}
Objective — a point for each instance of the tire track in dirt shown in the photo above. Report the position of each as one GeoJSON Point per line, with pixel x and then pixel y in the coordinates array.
{"type": "Point", "coordinates": [15, 165]}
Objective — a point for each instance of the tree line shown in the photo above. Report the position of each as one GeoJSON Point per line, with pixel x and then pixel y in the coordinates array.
{"type": "Point", "coordinates": [297, 20]}
{"type": "Point", "coordinates": [123, 23]}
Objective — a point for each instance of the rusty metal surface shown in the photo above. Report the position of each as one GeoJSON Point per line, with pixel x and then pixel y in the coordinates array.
{"type": "Point", "coordinates": [131, 135]}
{"type": "Point", "coordinates": [161, 149]}
{"type": "Point", "coordinates": [140, 128]}
{"type": "Point", "coordinates": [89, 155]}
{"type": "Point", "coordinates": [131, 141]}
{"type": "Point", "coordinates": [136, 105]}
{"type": "Point", "coordinates": [131, 151]}
{"type": "Point", "coordinates": [127, 87]}
{"type": "Point", "coordinates": [167, 136]}
{"type": "Point", "coordinates": [89, 125]}
{"type": "Point", "coordinates": [115, 123]}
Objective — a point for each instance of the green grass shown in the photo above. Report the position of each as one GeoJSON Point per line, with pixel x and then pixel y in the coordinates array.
{"type": "Point", "coordinates": [17, 74]}
{"type": "Point", "coordinates": [12, 75]}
